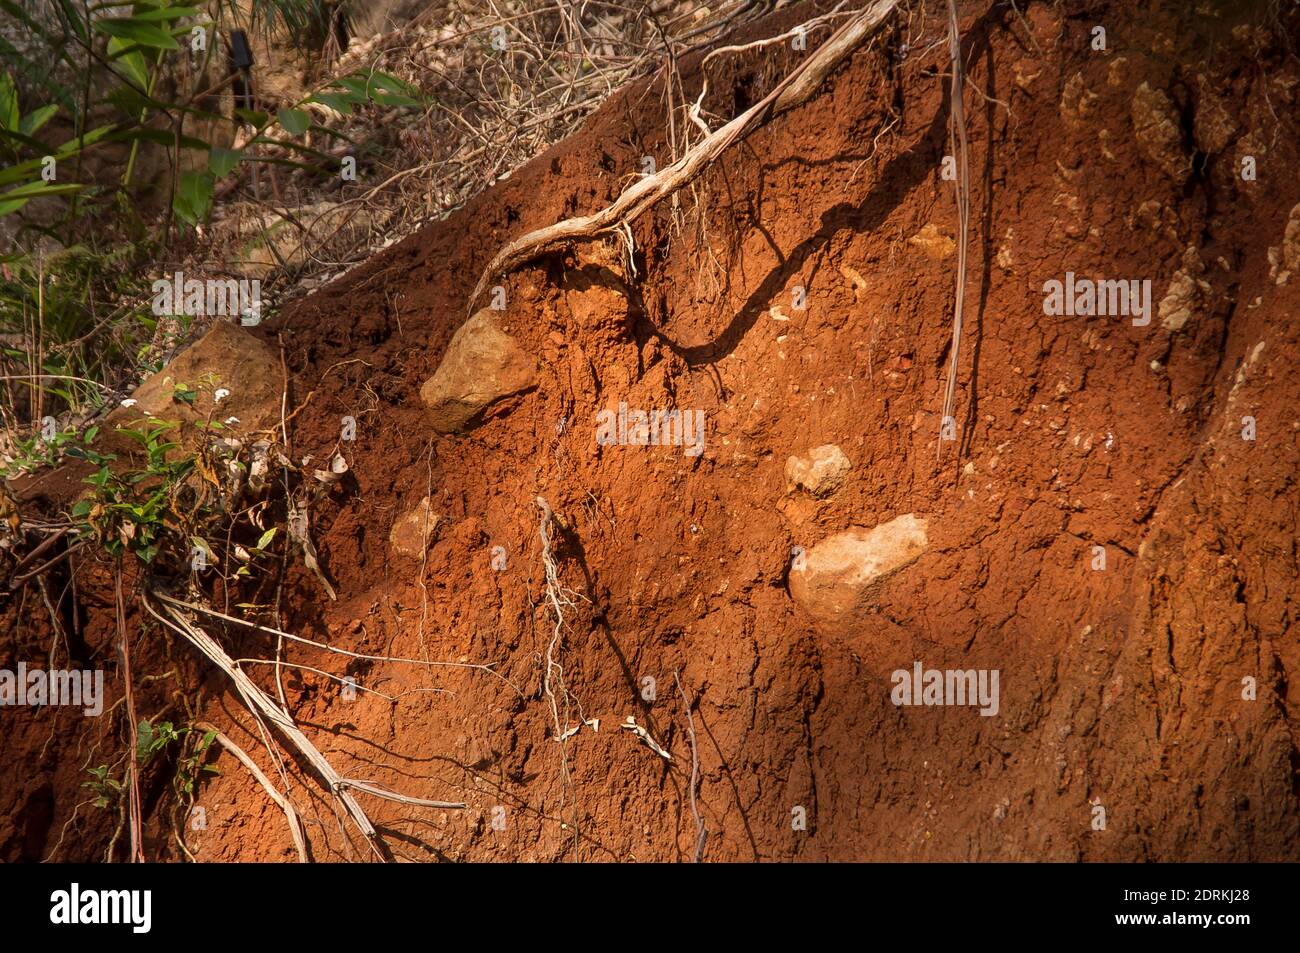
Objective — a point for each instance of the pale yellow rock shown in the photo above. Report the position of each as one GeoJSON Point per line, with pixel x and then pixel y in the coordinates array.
{"type": "Point", "coordinates": [821, 472]}
{"type": "Point", "coordinates": [1187, 296]}
{"type": "Point", "coordinates": [1284, 259]}
{"type": "Point", "coordinates": [413, 531]}
{"type": "Point", "coordinates": [482, 366]}
{"type": "Point", "coordinates": [836, 579]}
{"type": "Point", "coordinates": [1077, 101]}
{"type": "Point", "coordinates": [1159, 136]}
{"type": "Point", "coordinates": [933, 242]}
{"type": "Point", "coordinates": [1213, 125]}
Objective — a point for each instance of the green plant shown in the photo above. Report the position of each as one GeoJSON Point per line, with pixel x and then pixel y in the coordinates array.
{"type": "Point", "coordinates": [60, 338]}
{"type": "Point", "coordinates": [182, 510]}
{"type": "Point", "coordinates": [35, 452]}
{"type": "Point", "coordinates": [134, 511]}
{"type": "Point", "coordinates": [106, 789]}
{"type": "Point", "coordinates": [190, 767]}
{"type": "Point", "coordinates": [136, 48]}
{"type": "Point", "coordinates": [152, 740]}
{"type": "Point", "coordinates": [126, 79]}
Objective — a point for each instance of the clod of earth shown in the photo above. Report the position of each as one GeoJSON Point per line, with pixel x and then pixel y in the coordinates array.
{"type": "Point", "coordinates": [483, 365]}
{"type": "Point", "coordinates": [414, 529]}
{"type": "Point", "coordinates": [840, 574]}
{"type": "Point", "coordinates": [821, 472]}
{"type": "Point", "coordinates": [1159, 136]}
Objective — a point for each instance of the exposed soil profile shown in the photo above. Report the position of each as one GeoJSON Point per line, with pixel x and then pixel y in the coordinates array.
{"type": "Point", "coordinates": [1111, 535]}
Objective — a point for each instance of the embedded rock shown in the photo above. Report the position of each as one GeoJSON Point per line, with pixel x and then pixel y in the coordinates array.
{"type": "Point", "coordinates": [413, 531]}
{"type": "Point", "coordinates": [821, 472]}
{"type": "Point", "coordinates": [482, 366]}
{"type": "Point", "coordinates": [837, 578]}
{"type": "Point", "coordinates": [1159, 135]}
{"type": "Point", "coordinates": [226, 373]}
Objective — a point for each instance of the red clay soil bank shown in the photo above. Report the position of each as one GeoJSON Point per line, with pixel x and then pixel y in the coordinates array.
{"type": "Point", "coordinates": [1121, 689]}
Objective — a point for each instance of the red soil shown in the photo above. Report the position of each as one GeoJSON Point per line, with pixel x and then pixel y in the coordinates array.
{"type": "Point", "coordinates": [1120, 688]}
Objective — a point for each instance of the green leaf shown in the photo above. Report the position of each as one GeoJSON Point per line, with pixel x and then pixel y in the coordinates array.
{"type": "Point", "coordinates": [202, 544]}
{"type": "Point", "coordinates": [144, 738]}
{"type": "Point", "coordinates": [391, 91]}
{"type": "Point", "coordinates": [138, 32]}
{"type": "Point", "coordinates": [78, 143]}
{"type": "Point", "coordinates": [28, 141]}
{"type": "Point", "coordinates": [193, 197]}
{"type": "Point", "coordinates": [32, 122]}
{"type": "Point", "coordinates": [160, 136]}
{"type": "Point", "coordinates": [33, 190]}
{"type": "Point", "coordinates": [294, 121]}
{"type": "Point", "coordinates": [16, 173]}
{"type": "Point", "coordinates": [222, 161]}
{"type": "Point", "coordinates": [15, 199]}
{"type": "Point", "coordinates": [8, 102]}
{"type": "Point", "coordinates": [266, 538]}
{"type": "Point", "coordinates": [167, 13]}
{"type": "Point", "coordinates": [338, 102]}
{"type": "Point", "coordinates": [355, 85]}
{"type": "Point", "coordinates": [130, 62]}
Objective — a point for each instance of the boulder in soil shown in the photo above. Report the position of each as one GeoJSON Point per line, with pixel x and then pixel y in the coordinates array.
{"type": "Point", "coordinates": [837, 579]}
{"type": "Point", "coordinates": [483, 366]}
{"type": "Point", "coordinates": [227, 363]}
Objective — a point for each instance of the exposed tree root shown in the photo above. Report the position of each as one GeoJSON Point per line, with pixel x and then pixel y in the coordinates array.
{"type": "Point", "coordinates": [794, 90]}
{"type": "Point", "coordinates": [290, 813]}
{"type": "Point", "coordinates": [958, 135]}
{"type": "Point", "coordinates": [262, 704]}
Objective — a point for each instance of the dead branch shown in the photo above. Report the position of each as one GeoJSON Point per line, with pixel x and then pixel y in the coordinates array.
{"type": "Point", "coordinates": [290, 813]}
{"type": "Point", "coordinates": [794, 90]}
{"type": "Point", "coordinates": [261, 703]}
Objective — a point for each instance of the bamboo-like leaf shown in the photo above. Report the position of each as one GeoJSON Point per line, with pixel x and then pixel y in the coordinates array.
{"type": "Point", "coordinates": [129, 61]}
{"type": "Point", "coordinates": [9, 115]}
{"type": "Point", "coordinates": [193, 197]}
{"type": "Point", "coordinates": [34, 120]}
{"type": "Point", "coordinates": [36, 190]}
{"type": "Point", "coordinates": [138, 32]}
{"type": "Point", "coordinates": [338, 102]}
{"type": "Point", "coordinates": [167, 13]}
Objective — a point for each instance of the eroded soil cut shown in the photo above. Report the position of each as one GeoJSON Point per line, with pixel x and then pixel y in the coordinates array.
{"type": "Point", "coordinates": [799, 300]}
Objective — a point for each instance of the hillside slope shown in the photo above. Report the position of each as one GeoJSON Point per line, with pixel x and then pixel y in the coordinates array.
{"type": "Point", "coordinates": [1121, 687]}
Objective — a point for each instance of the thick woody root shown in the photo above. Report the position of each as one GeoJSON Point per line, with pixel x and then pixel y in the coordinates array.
{"type": "Point", "coordinates": [794, 90]}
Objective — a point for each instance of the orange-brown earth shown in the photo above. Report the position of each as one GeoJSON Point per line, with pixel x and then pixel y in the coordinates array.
{"type": "Point", "coordinates": [1120, 688]}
